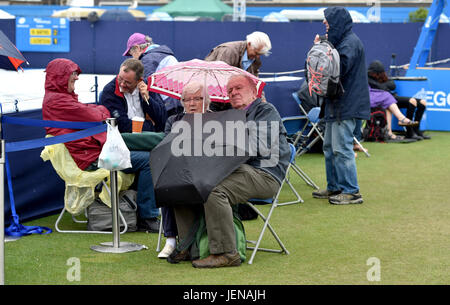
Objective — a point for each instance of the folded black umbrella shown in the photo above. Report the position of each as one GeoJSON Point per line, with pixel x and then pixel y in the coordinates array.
{"type": "Point", "coordinates": [198, 154]}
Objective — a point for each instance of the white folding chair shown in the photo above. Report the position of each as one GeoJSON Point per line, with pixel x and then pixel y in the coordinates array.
{"type": "Point", "coordinates": [74, 219]}
{"type": "Point", "coordinates": [313, 121]}
{"type": "Point", "coordinates": [266, 219]}
{"type": "Point", "coordinates": [309, 129]}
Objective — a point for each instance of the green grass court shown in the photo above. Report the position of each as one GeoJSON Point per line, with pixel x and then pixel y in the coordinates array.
{"type": "Point", "coordinates": [403, 224]}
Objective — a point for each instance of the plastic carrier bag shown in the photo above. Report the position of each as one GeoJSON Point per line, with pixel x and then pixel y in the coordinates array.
{"type": "Point", "coordinates": [115, 154]}
{"type": "Point", "coordinates": [80, 185]}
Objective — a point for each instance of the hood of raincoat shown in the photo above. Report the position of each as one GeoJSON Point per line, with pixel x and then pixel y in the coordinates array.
{"type": "Point", "coordinates": [60, 105]}
{"type": "Point", "coordinates": [355, 102]}
{"type": "Point", "coordinates": [340, 23]}
{"type": "Point", "coordinates": [58, 72]}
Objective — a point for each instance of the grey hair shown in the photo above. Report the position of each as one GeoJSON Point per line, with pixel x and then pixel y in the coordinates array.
{"type": "Point", "coordinates": [260, 40]}
{"type": "Point", "coordinates": [133, 65]}
{"type": "Point", "coordinates": [192, 88]}
{"type": "Point", "coordinates": [149, 41]}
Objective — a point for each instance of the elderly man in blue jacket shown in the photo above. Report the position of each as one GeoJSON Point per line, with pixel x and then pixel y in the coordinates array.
{"type": "Point", "coordinates": [341, 113]}
{"type": "Point", "coordinates": [126, 96]}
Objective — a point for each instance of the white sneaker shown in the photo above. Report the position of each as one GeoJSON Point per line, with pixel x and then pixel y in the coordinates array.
{"type": "Point", "coordinates": [166, 251]}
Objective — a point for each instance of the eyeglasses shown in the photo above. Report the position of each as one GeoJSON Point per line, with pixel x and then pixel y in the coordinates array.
{"type": "Point", "coordinates": [120, 80]}
{"type": "Point", "coordinates": [196, 99]}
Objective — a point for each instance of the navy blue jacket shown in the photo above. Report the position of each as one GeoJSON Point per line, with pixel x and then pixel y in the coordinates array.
{"type": "Point", "coordinates": [151, 61]}
{"type": "Point", "coordinates": [114, 100]}
{"type": "Point", "coordinates": [355, 102]}
{"type": "Point", "coordinates": [152, 58]}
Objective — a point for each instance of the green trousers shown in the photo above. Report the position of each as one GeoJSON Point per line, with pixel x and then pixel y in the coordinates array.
{"type": "Point", "coordinates": [244, 183]}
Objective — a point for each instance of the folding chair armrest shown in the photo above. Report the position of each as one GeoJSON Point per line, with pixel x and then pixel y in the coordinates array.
{"type": "Point", "coordinates": [293, 118]}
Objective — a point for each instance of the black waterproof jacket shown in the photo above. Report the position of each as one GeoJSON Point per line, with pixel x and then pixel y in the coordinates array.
{"type": "Point", "coordinates": [355, 102]}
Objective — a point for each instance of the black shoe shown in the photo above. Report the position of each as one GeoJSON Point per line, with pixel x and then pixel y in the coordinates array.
{"type": "Point", "coordinates": [150, 225]}
{"type": "Point", "coordinates": [422, 135]}
{"type": "Point", "coordinates": [177, 256]}
{"type": "Point", "coordinates": [324, 194]}
{"type": "Point", "coordinates": [411, 134]}
{"type": "Point", "coordinates": [415, 136]}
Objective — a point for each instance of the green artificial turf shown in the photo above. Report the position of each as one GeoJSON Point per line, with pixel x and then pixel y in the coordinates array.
{"type": "Point", "coordinates": [403, 226]}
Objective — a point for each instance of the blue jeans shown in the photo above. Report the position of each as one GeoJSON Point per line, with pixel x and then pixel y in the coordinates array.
{"type": "Point", "coordinates": [357, 132]}
{"type": "Point", "coordinates": [146, 204]}
{"type": "Point", "coordinates": [340, 162]}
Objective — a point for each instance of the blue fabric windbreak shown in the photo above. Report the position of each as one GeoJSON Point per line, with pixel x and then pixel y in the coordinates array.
{"type": "Point", "coordinates": [44, 123]}
{"type": "Point", "coordinates": [30, 144]}
{"type": "Point", "coordinates": [87, 129]}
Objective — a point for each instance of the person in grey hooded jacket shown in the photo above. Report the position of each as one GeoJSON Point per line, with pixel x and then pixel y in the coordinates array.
{"type": "Point", "coordinates": [341, 113]}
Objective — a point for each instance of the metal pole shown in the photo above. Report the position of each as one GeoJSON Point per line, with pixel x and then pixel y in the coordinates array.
{"type": "Point", "coordinates": [2, 213]}
{"type": "Point", "coordinates": [96, 89]}
{"type": "Point", "coordinates": [115, 209]}
{"type": "Point", "coordinates": [116, 246]}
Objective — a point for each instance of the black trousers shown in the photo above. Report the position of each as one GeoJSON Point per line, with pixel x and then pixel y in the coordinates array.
{"type": "Point", "coordinates": [413, 113]}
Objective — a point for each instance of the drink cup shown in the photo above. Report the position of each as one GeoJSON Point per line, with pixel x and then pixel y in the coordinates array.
{"type": "Point", "coordinates": [137, 123]}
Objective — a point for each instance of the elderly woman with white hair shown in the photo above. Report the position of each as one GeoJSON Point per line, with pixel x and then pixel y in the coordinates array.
{"type": "Point", "coordinates": [194, 100]}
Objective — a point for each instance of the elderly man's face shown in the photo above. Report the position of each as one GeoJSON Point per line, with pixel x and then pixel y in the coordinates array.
{"type": "Point", "coordinates": [127, 80]}
{"type": "Point", "coordinates": [72, 79]}
{"type": "Point", "coordinates": [253, 52]}
{"type": "Point", "coordinates": [240, 92]}
{"type": "Point", "coordinates": [193, 102]}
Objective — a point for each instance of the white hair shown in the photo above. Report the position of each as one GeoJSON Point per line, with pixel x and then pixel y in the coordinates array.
{"type": "Point", "coordinates": [192, 88]}
{"type": "Point", "coordinates": [260, 40]}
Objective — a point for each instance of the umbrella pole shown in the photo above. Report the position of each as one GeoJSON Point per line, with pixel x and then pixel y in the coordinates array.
{"type": "Point", "coordinates": [116, 246]}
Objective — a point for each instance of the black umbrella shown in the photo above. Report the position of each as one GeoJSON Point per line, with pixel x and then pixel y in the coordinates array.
{"type": "Point", "coordinates": [117, 15]}
{"type": "Point", "coordinates": [10, 57]}
{"type": "Point", "coordinates": [188, 164]}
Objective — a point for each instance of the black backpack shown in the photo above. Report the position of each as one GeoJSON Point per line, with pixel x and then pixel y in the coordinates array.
{"type": "Point", "coordinates": [376, 128]}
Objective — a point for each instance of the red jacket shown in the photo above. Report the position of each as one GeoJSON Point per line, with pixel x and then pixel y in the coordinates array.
{"type": "Point", "coordinates": [59, 105]}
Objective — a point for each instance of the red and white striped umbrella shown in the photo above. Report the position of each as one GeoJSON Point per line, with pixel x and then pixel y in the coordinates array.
{"type": "Point", "coordinates": [213, 75]}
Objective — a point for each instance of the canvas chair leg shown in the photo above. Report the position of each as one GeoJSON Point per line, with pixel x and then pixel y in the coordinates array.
{"type": "Point", "coordinates": [304, 176]}
{"type": "Point", "coordinates": [265, 226]}
{"type": "Point", "coordinates": [362, 147]}
{"type": "Point", "coordinates": [160, 233]}
{"type": "Point", "coordinates": [304, 150]}
{"type": "Point", "coordinates": [297, 195]}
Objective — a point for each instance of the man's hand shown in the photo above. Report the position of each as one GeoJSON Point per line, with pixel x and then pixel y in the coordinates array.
{"type": "Point", "coordinates": [143, 90]}
{"type": "Point", "coordinates": [317, 39]}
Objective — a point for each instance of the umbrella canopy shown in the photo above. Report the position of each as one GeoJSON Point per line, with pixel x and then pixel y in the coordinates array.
{"type": "Point", "coordinates": [77, 12]}
{"type": "Point", "coordinates": [117, 14]}
{"type": "Point", "coordinates": [187, 165]}
{"type": "Point", "coordinates": [10, 57]}
{"type": "Point", "coordinates": [213, 74]}
{"type": "Point", "coordinates": [201, 8]}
